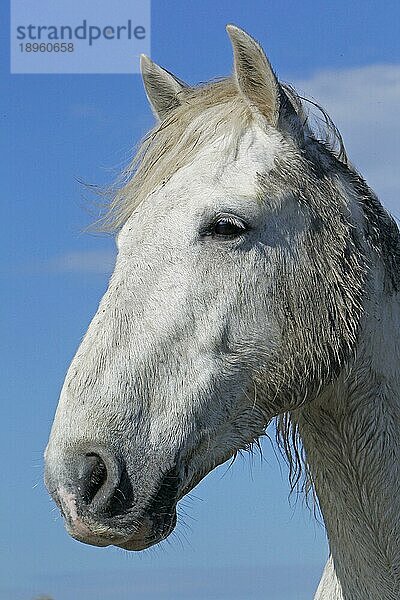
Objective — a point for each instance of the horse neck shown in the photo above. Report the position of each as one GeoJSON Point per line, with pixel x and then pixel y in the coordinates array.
{"type": "Point", "coordinates": [351, 439]}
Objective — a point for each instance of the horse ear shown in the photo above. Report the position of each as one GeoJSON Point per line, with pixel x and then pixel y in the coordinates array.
{"type": "Point", "coordinates": [162, 88]}
{"type": "Point", "coordinates": [254, 75]}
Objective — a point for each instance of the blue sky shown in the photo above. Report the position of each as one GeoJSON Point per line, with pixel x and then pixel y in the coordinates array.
{"type": "Point", "coordinates": [243, 538]}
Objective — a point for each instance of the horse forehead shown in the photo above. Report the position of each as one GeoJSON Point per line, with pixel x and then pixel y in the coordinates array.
{"type": "Point", "coordinates": [223, 166]}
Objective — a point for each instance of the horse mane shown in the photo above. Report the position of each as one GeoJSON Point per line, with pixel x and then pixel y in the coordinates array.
{"type": "Point", "coordinates": [318, 123]}
{"type": "Point", "coordinates": [209, 113]}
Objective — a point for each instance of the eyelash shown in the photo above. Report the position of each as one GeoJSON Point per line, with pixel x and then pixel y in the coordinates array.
{"type": "Point", "coordinates": [232, 220]}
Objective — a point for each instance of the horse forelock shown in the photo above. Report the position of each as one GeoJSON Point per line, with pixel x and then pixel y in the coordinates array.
{"type": "Point", "coordinates": [208, 113]}
{"type": "Point", "coordinates": [215, 111]}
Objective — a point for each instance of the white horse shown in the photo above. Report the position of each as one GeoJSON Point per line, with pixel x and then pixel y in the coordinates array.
{"type": "Point", "coordinates": [257, 277]}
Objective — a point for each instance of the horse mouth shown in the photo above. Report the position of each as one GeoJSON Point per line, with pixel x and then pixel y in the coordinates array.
{"type": "Point", "coordinates": [133, 530]}
{"type": "Point", "coordinates": [160, 516]}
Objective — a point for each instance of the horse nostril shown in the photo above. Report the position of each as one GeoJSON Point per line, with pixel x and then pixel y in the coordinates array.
{"type": "Point", "coordinates": [91, 481]}
{"type": "Point", "coordinates": [93, 476]}
{"type": "Point", "coordinates": [101, 483]}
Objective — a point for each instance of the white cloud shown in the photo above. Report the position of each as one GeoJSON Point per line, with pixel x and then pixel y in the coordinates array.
{"type": "Point", "coordinates": [87, 261]}
{"type": "Point", "coordinates": [364, 104]}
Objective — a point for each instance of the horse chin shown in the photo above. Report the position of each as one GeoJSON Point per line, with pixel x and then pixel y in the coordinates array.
{"type": "Point", "coordinates": [147, 537]}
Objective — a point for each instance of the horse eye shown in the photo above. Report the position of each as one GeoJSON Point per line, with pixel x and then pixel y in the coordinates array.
{"type": "Point", "coordinates": [229, 227]}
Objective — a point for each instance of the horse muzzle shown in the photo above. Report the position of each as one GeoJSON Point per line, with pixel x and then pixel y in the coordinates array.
{"type": "Point", "coordinates": [102, 507]}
